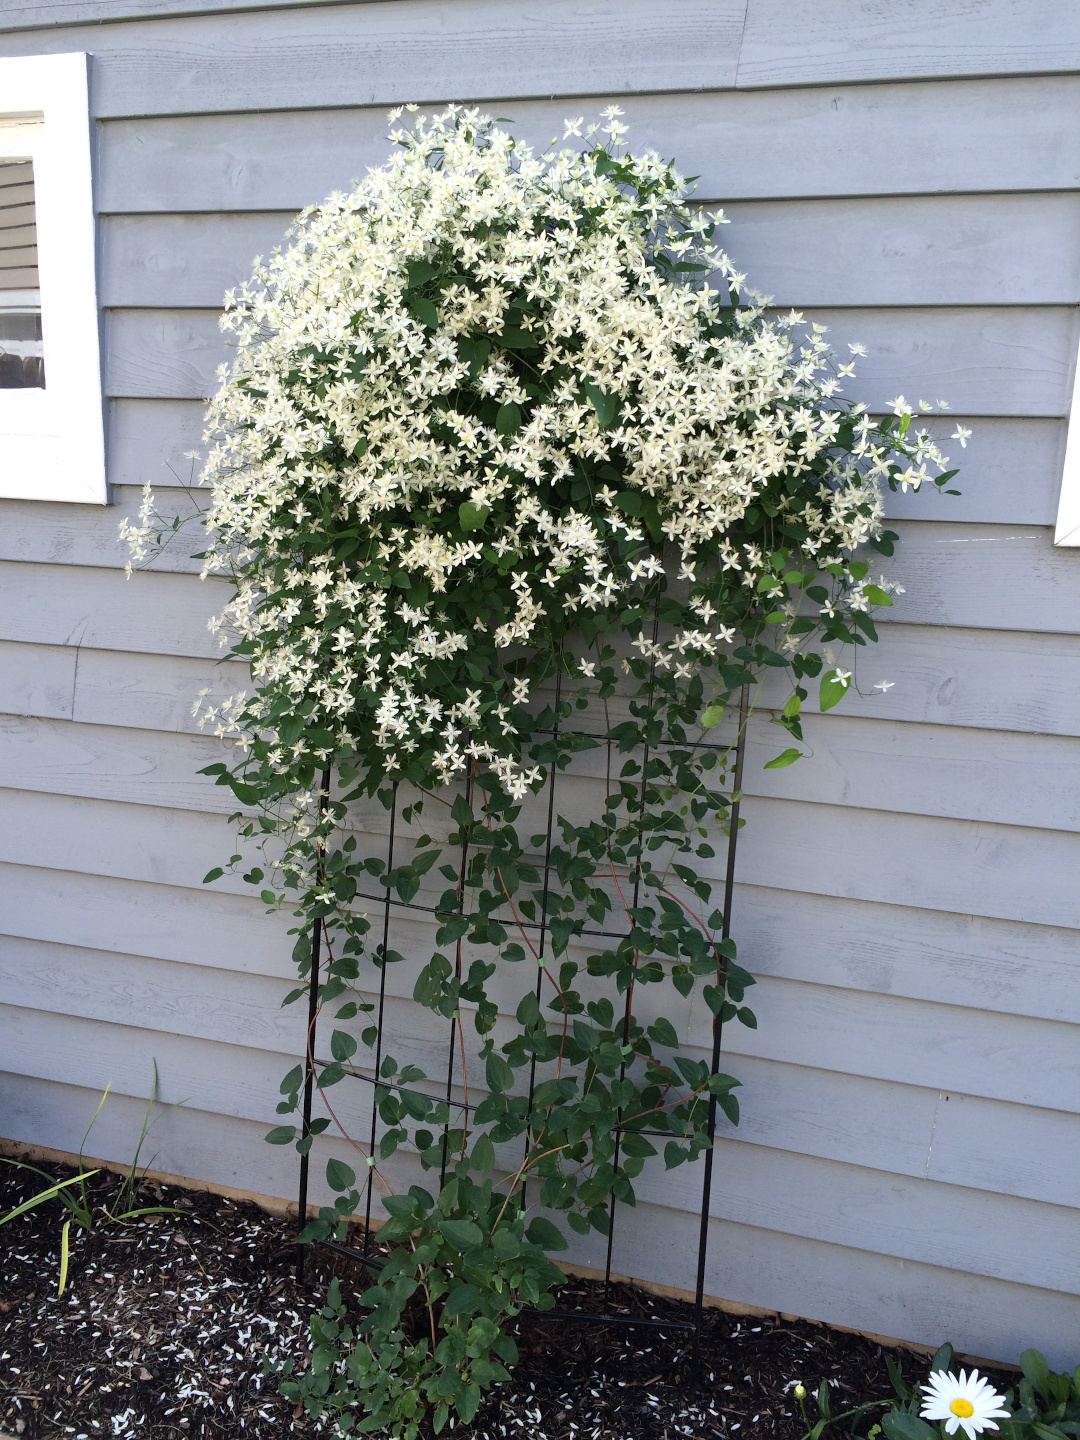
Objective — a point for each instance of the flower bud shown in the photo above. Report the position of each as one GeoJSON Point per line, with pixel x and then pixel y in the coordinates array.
{"type": "Point", "coordinates": [800, 1392]}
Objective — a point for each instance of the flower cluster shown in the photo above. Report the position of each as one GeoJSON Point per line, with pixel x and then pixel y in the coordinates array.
{"type": "Point", "coordinates": [497, 419]}
{"type": "Point", "coordinates": [487, 394]}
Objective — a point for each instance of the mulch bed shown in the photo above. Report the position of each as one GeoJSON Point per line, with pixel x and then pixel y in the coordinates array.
{"type": "Point", "coordinates": [165, 1325]}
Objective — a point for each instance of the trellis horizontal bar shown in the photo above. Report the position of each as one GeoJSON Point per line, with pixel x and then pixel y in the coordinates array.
{"type": "Point", "coordinates": [518, 924]}
{"type": "Point", "coordinates": [370, 1262]}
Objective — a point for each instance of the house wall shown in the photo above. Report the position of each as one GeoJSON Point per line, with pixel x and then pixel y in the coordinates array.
{"type": "Point", "coordinates": [908, 173]}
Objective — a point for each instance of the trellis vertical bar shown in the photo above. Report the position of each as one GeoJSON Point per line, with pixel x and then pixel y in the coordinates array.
{"type": "Point", "coordinates": [543, 912]}
{"type": "Point", "coordinates": [379, 1036]}
{"type": "Point", "coordinates": [628, 1009]}
{"type": "Point", "coordinates": [309, 1045]}
{"type": "Point", "coordinates": [457, 971]}
{"type": "Point", "coordinates": [718, 1020]}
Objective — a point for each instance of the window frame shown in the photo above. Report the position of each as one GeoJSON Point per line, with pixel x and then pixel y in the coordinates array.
{"type": "Point", "coordinates": [52, 440]}
{"type": "Point", "coordinates": [1067, 528]}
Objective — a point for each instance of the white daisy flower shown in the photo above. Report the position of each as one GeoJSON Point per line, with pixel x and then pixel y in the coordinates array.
{"type": "Point", "coordinates": [965, 1402]}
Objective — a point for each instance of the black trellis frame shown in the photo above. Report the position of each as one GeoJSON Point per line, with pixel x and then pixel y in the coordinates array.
{"type": "Point", "coordinates": [390, 905]}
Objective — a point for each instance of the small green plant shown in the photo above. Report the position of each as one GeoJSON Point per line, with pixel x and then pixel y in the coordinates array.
{"type": "Point", "coordinates": [813, 1431]}
{"type": "Point", "coordinates": [1045, 1405]}
{"type": "Point", "coordinates": [74, 1195]}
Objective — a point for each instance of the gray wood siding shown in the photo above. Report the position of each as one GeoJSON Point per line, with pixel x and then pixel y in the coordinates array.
{"type": "Point", "coordinates": [907, 897]}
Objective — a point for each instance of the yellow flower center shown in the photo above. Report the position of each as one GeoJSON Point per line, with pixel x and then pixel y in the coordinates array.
{"type": "Point", "coordinates": [962, 1407]}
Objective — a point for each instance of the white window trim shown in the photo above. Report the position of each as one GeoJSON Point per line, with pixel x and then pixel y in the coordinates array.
{"type": "Point", "coordinates": [52, 441]}
{"type": "Point", "coordinates": [1067, 530]}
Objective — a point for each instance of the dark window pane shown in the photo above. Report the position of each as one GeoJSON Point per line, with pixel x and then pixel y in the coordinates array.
{"type": "Point", "coordinates": [21, 359]}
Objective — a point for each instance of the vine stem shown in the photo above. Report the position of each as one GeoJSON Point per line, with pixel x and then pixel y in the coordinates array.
{"type": "Point", "coordinates": [313, 1015]}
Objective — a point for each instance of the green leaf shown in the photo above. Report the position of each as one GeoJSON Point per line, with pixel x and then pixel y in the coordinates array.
{"type": "Point", "coordinates": [474, 353]}
{"type": "Point", "coordinates": [513, 337]}
{"type": "Point", "coordinates": [462, 1300]}
{"type": "Point", "coordinates": [483, 1155]}
{"type": "Point", "coordinates": [339, 1176]}
{"type": "Point", "coordinates": [712, 716]}
{"type": "Point", "coordinates": [462, 1234]}
{"type": "Point", "coordinates": [942, 1358]}
{"type": "Point", "coordinates": [605, 405]}
{"type": "Point", "coordinates": [472, 517]}
{"type": "Point", "coordinates": [212, 875]}
{"type": "Point", "coordinates": [1033, 1364]}
{"type": "Point", "coordinates": [280, 1135]}
{"type": "Point", "coordinates": [663, 1032]}
{"type": "Point", "coordinates": [508, 419]}
{"type": "Point", "coordinates": [342, 1045]}
{"type": "Point", "coordinates": [900, 1426]}
{"type": "Point", "coordinates": [832, 690]}
{"type": "Point", "coordinates": [785, 758]}
{"type": "Point", "coordinates": [543, 1233]}
{"type": "Point", "coordinates": [424, 310]}
{"type": "Point", "coordinates": [876, 595]}
{"type": "Point", "coordinates": [420, 272]}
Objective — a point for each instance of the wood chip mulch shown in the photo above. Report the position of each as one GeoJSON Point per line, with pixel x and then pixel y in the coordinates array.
{"type": "Point", "coordinates": [166, 1323]}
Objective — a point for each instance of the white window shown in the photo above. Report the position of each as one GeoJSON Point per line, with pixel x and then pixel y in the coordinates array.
{"type": "Point", "coordinates": [52, 444]}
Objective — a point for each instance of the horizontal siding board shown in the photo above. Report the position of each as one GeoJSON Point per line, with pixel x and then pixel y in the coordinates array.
{"type": "Point", "coordinates": [89, 534]}
{"type": "Point", "coordinates": [37, 680]}
{"type": "Point", "coordinates": [201, 1002]}
{"type": "Point", "coordinates": [822, 1200]}
{"type": "Point", "coordinates": [207, 1148]}
{"type": "Point", "coordinates": [207, 927]}
{"type": "Point", "coordinates": [996, 577]}
{"type": "Point", "coordinates": [982, 361]}
{"type": "Point", "coordinates": [941, 770]}
{"type": "Point", "coordinates": [164, 354]}
{"type": "Point", "coordinates": [922, 1220]}
{"type": "Point", "coordinates": [1012, 969]}
{"type": "Point", "coordinates": [1004, 967]}
{"type": "Point", "coordinates": [916, 250]}
{"type": "Point", "coordinates": [237, 1081]}
{"type": "Point", "coordinates": [154, 692]}
{"type": "Point", "coordinates": [150, 441]}
{"type": "Point", "coordinates": [903, 1129]}
{"type": "Point", "coordinates": [102, 608]}
{"type": "Point", "coordinates": [909, 250]}
{"type": "Point", "coordinates": [108, 763]}
{"type": "Point", "coordinates": [798, 43]}
{"type": "Point", "coordinates": [780, 43]}
{"type": "Point", "coordinates": [953, 676]}
{"type": "Point", "coordinates": [868, 764]}
{"type": "Point", "coordinates": [836, 1283]}
{"type": "Point", "coordinates": [16, 15]}
{"type": "Point", "coordinates": [379, 54]}
{"type": "Point", "coordinates": [1010, 474]}
{"type": "Point", "coordinates": [1000, 871]}
{"type": "Point", "coordinates": [984, 1139]}
{"type": "Point", "coordinates": [1010, 470]}
{"type": "Point", "coordinates": [183, 260]}
{"type": "Point", "coordinates": [969, 136]}
{"type": "Point", "coordinates": [910, 1042]}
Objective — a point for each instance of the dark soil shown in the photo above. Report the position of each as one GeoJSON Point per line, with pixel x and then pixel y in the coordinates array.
{"type": "Point", "coordinates": [166, 1322]}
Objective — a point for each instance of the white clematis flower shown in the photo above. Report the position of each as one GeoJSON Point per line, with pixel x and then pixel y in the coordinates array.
{"type": "Point", "coordinates": [964, 1402]}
